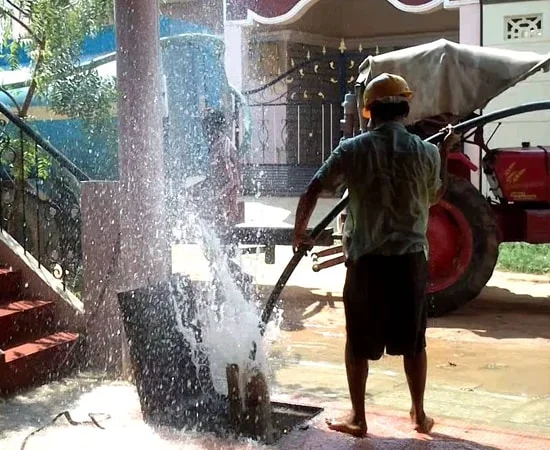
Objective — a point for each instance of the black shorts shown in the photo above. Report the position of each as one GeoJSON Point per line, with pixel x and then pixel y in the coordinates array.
{"type": "Point", "coordinates": [385, 305]}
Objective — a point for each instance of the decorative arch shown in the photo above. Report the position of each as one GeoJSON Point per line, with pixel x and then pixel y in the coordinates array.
{"type": "Point", "coordinates": [269, 12]}
{"type": "Point", "coordinates": [417, 6]}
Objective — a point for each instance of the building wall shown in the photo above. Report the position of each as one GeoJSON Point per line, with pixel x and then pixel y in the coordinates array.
{"type": "Point", "coordinates": [527, 127]}
{"type": "Point", "coordinates": [363, 18]}
{"type": "Point", "coordinates": [298, 123]}
{"type": "Point", "coordinates": [208, 13]}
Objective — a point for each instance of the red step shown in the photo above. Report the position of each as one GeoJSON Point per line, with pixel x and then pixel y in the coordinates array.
{"type": "Point", "coordinates": [23, 320]}
{"type": "Point", "coordinates": [36, 361]}
{"type": "Point", "coordinates": [10, 283]}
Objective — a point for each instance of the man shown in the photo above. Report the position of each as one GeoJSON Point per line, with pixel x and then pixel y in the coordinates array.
{"type": "Point", "coordinates": [224, 177]}
{"type": "Point", "coordinates": [393, 178]}
{"type": "Point", "coordinates": [221, 190]}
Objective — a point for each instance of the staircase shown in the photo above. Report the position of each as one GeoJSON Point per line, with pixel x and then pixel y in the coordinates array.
{"type": "Point", "coordinates": [39, 246]}
{"type": "Point", "coordinates": [33, 349]}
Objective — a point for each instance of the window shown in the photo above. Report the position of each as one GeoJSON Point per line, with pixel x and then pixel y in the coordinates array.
{"type": "Point", "coordinates": [523, 27]}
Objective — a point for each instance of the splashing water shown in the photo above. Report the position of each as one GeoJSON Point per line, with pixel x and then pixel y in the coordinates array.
{"type": "Point", "coordinates": [227, 312]}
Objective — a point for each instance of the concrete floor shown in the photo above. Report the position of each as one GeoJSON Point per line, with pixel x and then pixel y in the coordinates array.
{"type": "Point", "coordinates": [488, 384]}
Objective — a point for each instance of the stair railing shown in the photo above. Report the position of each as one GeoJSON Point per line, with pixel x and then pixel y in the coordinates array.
{"type": "Point", "coordinates": [40, 199]}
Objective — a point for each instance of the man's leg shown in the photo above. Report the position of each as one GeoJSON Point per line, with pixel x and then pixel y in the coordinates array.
{"type": "Point", "coordinates": [355, 423]}
{"type": "Point", "coordinates": [364, 329]}
{"type": "Point", "coordinates": [408, 328]}
{"type": "Point", "coordinates": [416, 368]}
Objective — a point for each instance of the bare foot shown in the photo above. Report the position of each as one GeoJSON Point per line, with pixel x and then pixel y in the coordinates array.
{"type": "Point", "coordinates": [422, 424]}
{"type": "Point", "coordinates": [349, 425]}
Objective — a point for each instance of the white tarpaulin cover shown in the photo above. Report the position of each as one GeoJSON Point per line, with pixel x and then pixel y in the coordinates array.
{"type": "Point", "coordinates": [450, 78]}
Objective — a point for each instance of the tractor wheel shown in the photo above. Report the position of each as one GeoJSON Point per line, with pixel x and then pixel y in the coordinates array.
{"type": "Point", "coordinates": [462, 236]}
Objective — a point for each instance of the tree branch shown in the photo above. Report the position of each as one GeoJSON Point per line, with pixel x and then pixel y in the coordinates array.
{"type": "Point", "coordinates": [18, 8]}
{"type": "Point", "coordinates": [23, 24]}
{"type": "Point", "coordinates": [32, 88]}
{"type": "Point", "coordinates": [12, 98]}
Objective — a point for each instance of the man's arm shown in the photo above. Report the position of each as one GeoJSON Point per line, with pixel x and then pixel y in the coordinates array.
{"type": "Point", "coordinates": [306, 206]}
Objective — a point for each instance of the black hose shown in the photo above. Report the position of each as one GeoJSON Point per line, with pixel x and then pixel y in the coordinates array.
{"type": "Point", "coordinates": [341, 205]}
{"type": "Point", "coordinates": [300, 253]}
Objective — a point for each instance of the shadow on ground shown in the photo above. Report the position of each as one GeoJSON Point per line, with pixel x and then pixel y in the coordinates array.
{"type": "Point", "coordinates": [501, 314]}
{"type": "Point", "coordinates": [321, 439]}
{"type": "Point", "coordinates": [497, 313]}
{"type": "Point", "coordinates": [300, 304]}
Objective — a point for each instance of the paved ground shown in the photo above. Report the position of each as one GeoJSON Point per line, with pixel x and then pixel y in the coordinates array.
{"type": "Point", "coordinates": [488, 379]}
{"type": "Point", "coordinates": [489, 365]}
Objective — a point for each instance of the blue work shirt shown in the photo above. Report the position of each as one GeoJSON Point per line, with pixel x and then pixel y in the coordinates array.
{"type": "Point", "coordinates": [393, 178]}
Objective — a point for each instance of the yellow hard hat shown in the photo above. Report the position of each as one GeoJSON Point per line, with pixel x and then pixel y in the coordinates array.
{"type": "Point", "coordinates": [385, 87]}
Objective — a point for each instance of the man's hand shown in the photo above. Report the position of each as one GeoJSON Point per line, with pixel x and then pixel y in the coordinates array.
{"type": "Point", "coordinates": [451, 139]}
{"type": "Point", "coordinates": [304, 210]}
{"type": "Point", "coordinates": [302, 240]}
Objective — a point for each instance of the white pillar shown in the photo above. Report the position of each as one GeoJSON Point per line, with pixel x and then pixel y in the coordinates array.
{"type": "Point", "coordinates": [470, 33]}
{"type": "Point", "coordinates": [470, 24]}
{"type": "Point", "coordinates": [144, 255]}
{"type": "Point", "coordinates": [236, 53]}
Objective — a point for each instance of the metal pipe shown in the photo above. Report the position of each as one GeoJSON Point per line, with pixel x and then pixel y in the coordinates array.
{"type": "Point", "coordinates": [331, 125]}
{"type": "Point", "coordinates": [481, 121]}
{"type": "Point", "coordinates": [328, 252]}
{"type": "Point", "coordinates": [299, 134]}
{"type": "Point", "coordinates": [329, 263]}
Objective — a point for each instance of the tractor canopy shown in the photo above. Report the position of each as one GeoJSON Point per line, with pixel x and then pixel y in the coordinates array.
{"type": "Point", "coordinates": [450, 79]}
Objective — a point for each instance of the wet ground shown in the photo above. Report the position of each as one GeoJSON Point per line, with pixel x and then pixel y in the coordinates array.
{"type": "Point", "coordinates": [488, 386]}
{"type": "Point", "coordinates": [489, 383]}
{"type": "Point", "coordinates": [488, 363]}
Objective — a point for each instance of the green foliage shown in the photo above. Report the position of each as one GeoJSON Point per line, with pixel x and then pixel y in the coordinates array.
{"type": "Point", "coordinates": [89, 98]}
{"type": "Point", "coordinates": [36, 162]}
{"type": "Point", "coordinates": [524, 258]}
{"type": "Point", "coordinates": [54, 31]}
{"type": "Point", "coordinates": [14, 51]}
{"type": "Point", "coordinates": [63, 25]}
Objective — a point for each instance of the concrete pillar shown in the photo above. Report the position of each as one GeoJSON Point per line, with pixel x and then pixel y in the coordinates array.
{"type": "Point", "coordinates": [470, 33]}
{"type": "Point", "coordinates": [100, 247]}
{"type": "Point", "coordinates": [144, 255]}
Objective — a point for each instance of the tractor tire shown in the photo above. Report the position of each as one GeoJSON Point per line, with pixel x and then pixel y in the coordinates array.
{"type": "Point", "coordinates": [463, 241]}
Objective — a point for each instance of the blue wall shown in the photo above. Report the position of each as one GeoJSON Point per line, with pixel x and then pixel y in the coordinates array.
{"type": "Point", "coordinates": [195, 74]}
{"type": "Point", "coordinates": [194, 71]}
{"type": "Point", "coordinates": [104, 41]}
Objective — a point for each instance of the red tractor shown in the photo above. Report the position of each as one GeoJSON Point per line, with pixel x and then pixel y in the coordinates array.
{"type": "Point", "coordinates": [451, 82]}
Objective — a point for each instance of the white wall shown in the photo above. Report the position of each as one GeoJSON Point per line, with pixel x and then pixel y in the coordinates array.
{"type": "Point", "coordinates": [534, 127]}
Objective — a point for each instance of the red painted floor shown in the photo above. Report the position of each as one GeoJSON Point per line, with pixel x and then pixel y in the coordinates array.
{"type": "Point", "coordinates": [387, 431]}
{"type": "Point", "coordinates": [391, 431]}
